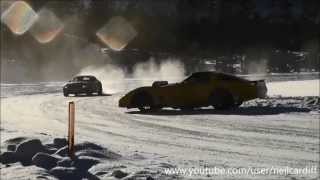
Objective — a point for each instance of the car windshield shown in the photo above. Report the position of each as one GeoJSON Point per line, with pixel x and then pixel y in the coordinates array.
{"type": "Point", "coordinates": [227, 77]}
{"type": "Point", "coordinates": [83, 78]}
{"type": "Point", "coordinates": [205, 78]}
{"type": "Point", "coordinates": [197, 78]}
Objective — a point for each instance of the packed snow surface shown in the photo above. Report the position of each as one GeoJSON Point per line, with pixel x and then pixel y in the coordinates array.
{"type": "Point", "coordinates": [294, 88]}
{"type": "Point", "coordinates": [273, 132]}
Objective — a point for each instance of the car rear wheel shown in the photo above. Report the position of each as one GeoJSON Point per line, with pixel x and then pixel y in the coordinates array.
{"type": "Point", "coordinates": [221, 100]}
{"type": "Point", "coordinates": [65, 94]}
{"type": "Point", "coordinates": [238, 104]}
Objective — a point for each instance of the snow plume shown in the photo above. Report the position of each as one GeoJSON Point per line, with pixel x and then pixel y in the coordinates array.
{"type": "Point", "coordinates": [111, 77]}
{"type": "Point", "coordinates": [258, 67]}
{"type": "Point", "coordinates": [168, 69]}
{"type": "Point", "coordinates": [114, 78]}
{"type": "Point", "coordinates": [68, 58]}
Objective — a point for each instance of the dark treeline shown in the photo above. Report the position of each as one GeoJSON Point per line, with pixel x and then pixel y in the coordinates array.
{"type": "Point", "coordinates": [223, 25]}
{"type": "Point", "coordinates": [232, 30]}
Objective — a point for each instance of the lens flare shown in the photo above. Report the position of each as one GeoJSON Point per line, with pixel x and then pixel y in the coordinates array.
{"type": "Point", "coordinates": [47, 27]}
{"type": "Point", "coordinates": [19, 17]}
{"type": "Point", "coordinates": [117, 33]}
{"type": "Point", "coordinates": [4, 5]}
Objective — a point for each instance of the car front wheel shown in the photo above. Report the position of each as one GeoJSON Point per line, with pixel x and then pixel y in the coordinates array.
{"type": "Point", "coordinates": [65, 94]}
{"type": "Point", "coordinates": [144, 102]}
{"type": "Point", "coordinates": [100, 91]}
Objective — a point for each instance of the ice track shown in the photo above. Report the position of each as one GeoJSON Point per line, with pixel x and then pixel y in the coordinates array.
{"type": "Point", "coordinates": [203, 138]}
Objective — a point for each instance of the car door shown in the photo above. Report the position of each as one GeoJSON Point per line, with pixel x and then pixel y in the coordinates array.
{"type": "Point", "coordinates": [195, 91]}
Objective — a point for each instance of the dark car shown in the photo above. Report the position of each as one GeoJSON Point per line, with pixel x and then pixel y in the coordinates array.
{"type": "Point", "coordinates": [222, 91]}
{"type": "Point", "coordinates": [83, 85]}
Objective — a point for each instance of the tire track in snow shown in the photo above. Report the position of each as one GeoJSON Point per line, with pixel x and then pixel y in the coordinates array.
{"type": "Point", "coordinates": [232, 140]}
{"type": "Point", "coordinates": [149, 124]}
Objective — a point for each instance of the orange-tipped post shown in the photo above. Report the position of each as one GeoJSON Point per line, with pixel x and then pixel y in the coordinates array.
{"type": "Point", "coordinates": [71, 129]}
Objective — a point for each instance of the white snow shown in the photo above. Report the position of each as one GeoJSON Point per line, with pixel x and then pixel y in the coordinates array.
{"type": "Point", "coordinates": [204, 138]}
{"type": "Point", "coordinates": [294, 88]}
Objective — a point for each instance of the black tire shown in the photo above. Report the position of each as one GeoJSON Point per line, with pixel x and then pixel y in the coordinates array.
{"type": "Point", "coordinates": [65, 94]}
{"type": "Point", "coordinates": [186, 108]}
{"type": "Point", "coordinates": [237, 104]}
{"type": "Point", "coordinates": [144, 102]}
{"type": "Point", "coordinates": [221, 100]}
{"type": "Point", "coordinates": [100, 91]}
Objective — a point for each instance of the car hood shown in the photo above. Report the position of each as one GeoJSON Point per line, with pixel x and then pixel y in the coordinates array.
{"type": "Point", "coordinates": [80, 82]}
{"type": "Point", "coordinates": [75, 83]}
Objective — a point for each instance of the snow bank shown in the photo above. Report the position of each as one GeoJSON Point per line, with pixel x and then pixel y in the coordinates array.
{"type": "Point", "coordinates": [91, 161]}
{"type": "Point", "coordinates": [32, 152]}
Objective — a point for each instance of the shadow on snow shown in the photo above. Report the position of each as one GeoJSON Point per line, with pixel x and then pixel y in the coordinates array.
{"type": "Point", "coordinates": [239, 111]}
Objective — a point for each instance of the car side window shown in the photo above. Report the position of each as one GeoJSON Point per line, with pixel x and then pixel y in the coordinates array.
{"type": "Point", "coordinates": [84, 79]}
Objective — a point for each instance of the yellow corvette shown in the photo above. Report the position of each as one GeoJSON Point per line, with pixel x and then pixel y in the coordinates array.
{"type": "Point", "coordinates": [222, 91]}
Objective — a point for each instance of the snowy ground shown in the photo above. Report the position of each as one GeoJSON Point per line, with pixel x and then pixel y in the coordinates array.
{"type": "Point", "coordinates": [294, 88]}
{"type": "Point", "coordinates": [280, 131]}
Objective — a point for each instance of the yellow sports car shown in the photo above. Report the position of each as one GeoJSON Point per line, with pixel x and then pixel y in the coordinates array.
{"type": "Point", "coordinates": [222, 91]}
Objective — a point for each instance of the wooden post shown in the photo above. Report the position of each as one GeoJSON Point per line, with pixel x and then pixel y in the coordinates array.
{"type": "Point", "coordinates": [71, 129]}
